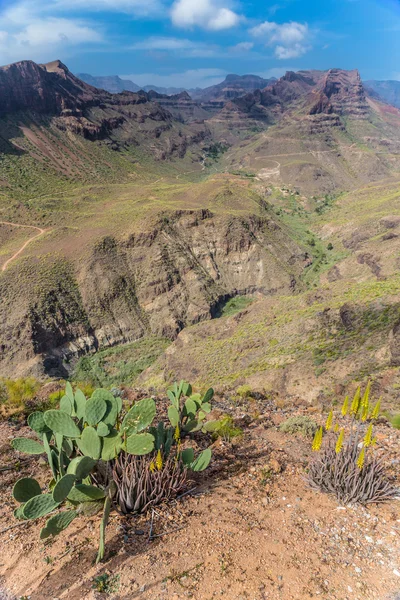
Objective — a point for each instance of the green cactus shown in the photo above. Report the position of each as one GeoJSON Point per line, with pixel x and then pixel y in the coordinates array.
{"type": "Point", "coordinates": [27, 446]}
{"type": "Point", "coordinates": [187, 456]}
{"type": "Point", "coordinates": [69, 391]}
{"type": "Point", "coordinates": [96, 408]}
{"type": "Point", "coordinates": [57, 523]}
{"type": "Point", "coordinates": [25, 489]}
{"type": "Point", "coordinates": [139, 443]}
{"type": "Point", "coordinates": [85, 493]}
{"type": "Point", "coordinates": [113, 407]}
{"type": "Point", "coordinates": [63, 487]}
{"type": "Point", "coordinates": [112, 444]}
{"type": "Point", "coordinates": [36, 422]}
{"type": "Point", "coordinates": [19, 513]}
{"type": "Point", "coordinates": [173, 415]}
{"type": "Point", "coordinates": [59, 422]}
{"type": "Point", "coordinates": [103, 429]}
{"type": "Point", "coordinates": [80, 404]}
{"type": "Point", "coordinates": [90, 443]}
{"type": "Point", "coordinates": [81, 466]}
{"type": "Point", "coordinates": [191, 415]}
{"type": "Point", "coordinates": [139, 417]}
{"type": "Point", "coordinates": [103, 525]}
{"type": "Point", "coordinates": [39, 506]}
{"type": "Point", "coordinates": [67, 405]}
{"type": "Point", "coordinates": [93, 428]}
{"type": "Point", "coordinates": [202, 461]}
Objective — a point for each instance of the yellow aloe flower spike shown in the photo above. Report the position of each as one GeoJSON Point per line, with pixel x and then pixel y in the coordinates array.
{"type": "Point", "coordinates": [159, 461]}
{"type": "Point", "coordinates": [364, 415]}
{"type": "Point", "coordinates": [152, 466]}
{"type": "Point", "coordinates": [336, 428]}
{"type": "Point", "coordinates": [345, 407]}
{"type": "Point", "coordinates": [361, 459]}
{"type": "Point", "coordinates": [177, 434]}
{"type": "Point", "coordinates": [365, 398]}
{"type": "Point", "coordinates": [317, 442]}
{"type": "Point", "coordinates": [339, 443]}
{"type": "Point", "coordinates": [328, 424]}
{"type": "Point", "coordinates": [377, 408]}
{"type": "Point", "coordinates": [355, 405]}
{"type": "Point", "coordinates": [368, 436]}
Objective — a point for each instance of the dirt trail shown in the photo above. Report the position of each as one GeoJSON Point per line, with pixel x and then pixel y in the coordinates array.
{"type": "Point", "coordinates": [14, 256]}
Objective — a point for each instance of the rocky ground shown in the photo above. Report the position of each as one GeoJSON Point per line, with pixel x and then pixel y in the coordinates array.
{"type": "Point", "coordinates": [251, 530]}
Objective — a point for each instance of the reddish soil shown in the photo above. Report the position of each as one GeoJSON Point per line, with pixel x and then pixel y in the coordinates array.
{"type": "Point", "coordinates": [254, 531]}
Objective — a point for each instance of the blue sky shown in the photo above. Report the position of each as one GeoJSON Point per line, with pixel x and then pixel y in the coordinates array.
{"type": "Point", "coordinates": [197, 42]}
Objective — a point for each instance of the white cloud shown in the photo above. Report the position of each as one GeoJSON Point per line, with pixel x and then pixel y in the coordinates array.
{"type": "Point", "coordinates": [290, 40]}
{"type": "Point", "coordinates": [176, 45]}
{"type": "Point", "coordinates": [27, 34]}
{"type": "Point", "coordinates": [187, 79]}
{"type": "Point", "coordinates": [242, 47]}
{"type": "Point", "coordinates": [164, 43]}
{"type": "Point", "coordinates": [203, 13]}
{"type": "Point", "coordinates": [136, 7]}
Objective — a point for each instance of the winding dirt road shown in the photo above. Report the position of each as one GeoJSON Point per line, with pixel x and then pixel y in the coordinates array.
{"type": "Point", "coordinates": [14, 256]}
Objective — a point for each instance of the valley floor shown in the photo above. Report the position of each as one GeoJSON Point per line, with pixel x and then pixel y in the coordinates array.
{"type": "Point", "coordinates": [253, 530]}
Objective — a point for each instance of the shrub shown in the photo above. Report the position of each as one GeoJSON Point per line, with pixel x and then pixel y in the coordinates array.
{"type": "Point", "coordinates": [100, 457]}
{"type": "Point", "coordinates": [299, 424]}
{"type": "Point", "coordinates": [16, 392]}
{"type": "Point", "coordinates": [346, 465]}
{"type": "Point", "coordinates": [223, 428]}
{"type": "Point", "coordinates": [395, 421]}
{"type": "Point", "coordinates": [244, 391]}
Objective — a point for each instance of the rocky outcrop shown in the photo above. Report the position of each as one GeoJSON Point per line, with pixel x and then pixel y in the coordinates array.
{"type": "Point", "coordinates": [29, 91]}
{"type": "Point", "coordinates": [332, 93]}
{"type": "Point", "coordinates": [342, 92]}
{"type": "Point", "coordinates": [154, 282]}
{"type": "Point", "coordinates": [233, 86]}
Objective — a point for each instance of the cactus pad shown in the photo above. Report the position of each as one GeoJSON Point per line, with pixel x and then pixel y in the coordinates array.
{"type": "Point", "coordinates": [85, 493]}
{"type": "Point", "coordinates": [173, 416]}
{"type": "Point", "coordinates": [90, 443]}
{"type": "Point", "coordinates": [140, 443]}
{"type": "Point", "coordinates": [63, 487]}
{"type": "Point", "coordinates": [59, 422]}
{"type": "Point", "coordinates": [25, 489]}
{"type": "Point", "coordinates": [95, 410]}
{"type": "Point", "coordinates": [81, 466]}
{"type": "Point", "coordinates": [80, 404]}
{"type": "Point", "coordinates": [112, 444]}
{"type": "Point", "coordinates": [139, 417]}
{"type": "Point", "coordinates": [57, 523]}
{"type": "Point", "coordinates": [202, 461]}
{"type": "Point", "coordinates": [39, 506]}
{"type": "Point", "coordinates": [28, 446]}
{"type": "Point", "coordinates": [66, 405]}
{"type": "Point", "coordinates": [102, 429]}
{"type": "Point", "coordinates": [36, 422]}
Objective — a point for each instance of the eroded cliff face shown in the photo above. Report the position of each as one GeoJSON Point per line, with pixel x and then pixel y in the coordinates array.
{"type": "Point", "coordinates": [154, 282]}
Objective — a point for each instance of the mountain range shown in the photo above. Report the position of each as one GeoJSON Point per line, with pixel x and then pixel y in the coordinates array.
{"type": "Point", "coordinates": [385, 90]}
{"type": "Point", "coordinates": [155, 209]}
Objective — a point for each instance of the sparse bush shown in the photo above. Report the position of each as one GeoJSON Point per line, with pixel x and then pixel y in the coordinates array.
{"type": "Point", "coordinates": [346, 465]}
{"type": "Point", "coordinates": [299, 424]}
{"type": "Point", "coordinates": [16, 392]}
{"type": "Point", "coordinates": [395, 421]}
{"type": "Point", "coordinates": [224, 428]}
{"type": "Point", "coordinates": [244, 391]}
{"type": "Point", "coordinates": [100, 457]}
{"type": "Point", "coordinates": [106, 584]}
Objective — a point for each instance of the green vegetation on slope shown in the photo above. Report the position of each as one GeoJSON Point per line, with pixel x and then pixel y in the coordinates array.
{"type": "Point", "coordinates": [120, 364]}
